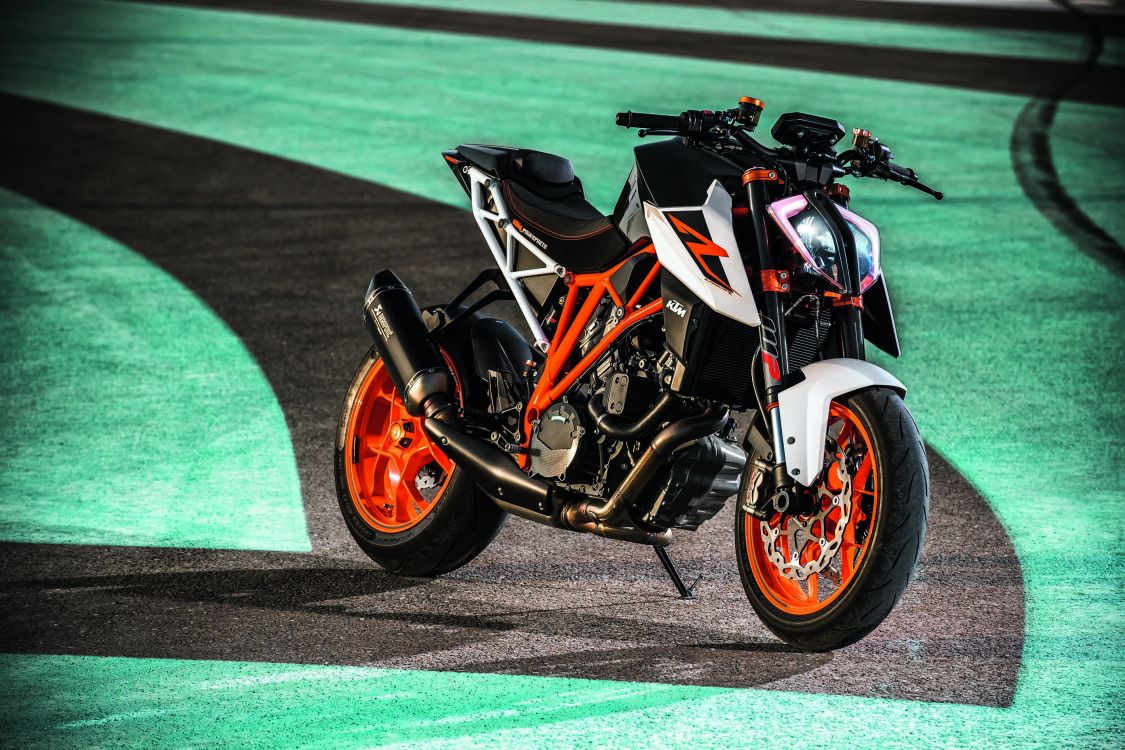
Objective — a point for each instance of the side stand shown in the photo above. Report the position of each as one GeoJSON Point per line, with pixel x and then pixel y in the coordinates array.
{"type": "Point", "coordinates": [686, 592]}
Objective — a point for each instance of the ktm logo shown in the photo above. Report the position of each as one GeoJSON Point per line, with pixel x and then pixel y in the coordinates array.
{"type": "Point", "coordinates": [676, 308]}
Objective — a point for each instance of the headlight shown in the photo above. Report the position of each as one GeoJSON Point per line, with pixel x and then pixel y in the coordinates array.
{"type": "Point", "coordinates": [866, 248]}
{"type": "Point", "coordinates": [821, 256]}
{"type": "Point", "coordinates": [813, 241]}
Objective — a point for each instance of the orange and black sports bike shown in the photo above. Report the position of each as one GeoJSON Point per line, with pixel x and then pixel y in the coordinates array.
{"type": "Point", "coordinates": [731, 277]}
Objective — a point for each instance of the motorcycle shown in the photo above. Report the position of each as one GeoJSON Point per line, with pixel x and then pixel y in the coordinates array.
{"type": "Point", "coordinates": [732, 277]}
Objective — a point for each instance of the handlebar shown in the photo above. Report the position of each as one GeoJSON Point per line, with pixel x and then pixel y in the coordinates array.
{"type": "Point", "coordinates": [868, 158]}
{"type": "Point", "coordinates": [699, 122]}
{"type": "Point", "coordinates": [690, 122]}
{"type": "Point", "coordinates": [905, 176]}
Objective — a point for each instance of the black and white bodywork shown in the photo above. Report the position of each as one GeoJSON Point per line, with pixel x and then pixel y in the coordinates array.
{"type": "Point", "coordinates": [731, 278]}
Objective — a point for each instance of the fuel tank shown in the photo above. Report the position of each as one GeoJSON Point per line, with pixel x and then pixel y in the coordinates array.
{"type": "Point", "coordinates": [670, 173]}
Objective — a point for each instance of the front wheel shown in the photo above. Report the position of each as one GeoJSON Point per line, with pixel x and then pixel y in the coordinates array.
{"type": "Point", "coordinates": [829, 571]}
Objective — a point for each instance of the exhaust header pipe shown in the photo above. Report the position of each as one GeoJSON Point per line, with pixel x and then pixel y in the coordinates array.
{"type": "Point", "coordinates": [609, 518]}
{"type": "Point", "coordinates": [402, 340]}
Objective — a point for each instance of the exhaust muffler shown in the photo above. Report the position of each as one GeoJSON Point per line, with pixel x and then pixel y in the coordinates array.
{"type": "Point", "coordinates": [402, 340]}
{"type": "Point", "coordinates": [422, 377]}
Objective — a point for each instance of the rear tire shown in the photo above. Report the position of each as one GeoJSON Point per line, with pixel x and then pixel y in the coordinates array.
{"type": "Point", "coordinates": [424, 538]}
{"type": "Point", "coordinates": [869, 589]}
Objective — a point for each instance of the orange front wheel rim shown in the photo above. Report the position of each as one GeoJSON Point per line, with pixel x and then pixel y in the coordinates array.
{"type": "Point", "coordinates": [814, 592]}
{"type": "Point", "coordinates": [395, 473]}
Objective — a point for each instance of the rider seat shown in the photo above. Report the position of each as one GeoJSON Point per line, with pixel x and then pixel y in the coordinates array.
{"type": "Point", "coordinates": [545, 201]}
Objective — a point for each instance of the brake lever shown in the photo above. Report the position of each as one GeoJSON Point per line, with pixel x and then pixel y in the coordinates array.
{"type": "Point", "coordinates": [644, 132]}
{"type": "Point", "coordinates": [681, 133]}
{"type": "Point", "coordinates": [905, 176]}
{"type": "Point", "coordinates": [917, 185]}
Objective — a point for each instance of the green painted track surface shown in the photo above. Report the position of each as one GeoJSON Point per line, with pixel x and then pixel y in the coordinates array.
{"type": "Point", "coordinates": [1088, 148]}
{"type": "Point", "coordinates": [795, 26]}
{"type": "Point", "coordinates": [130, 413]}
{"type": "Point", "coordinates": [154, 703]}
{"type": "Point", "coordinates": [999, 315]}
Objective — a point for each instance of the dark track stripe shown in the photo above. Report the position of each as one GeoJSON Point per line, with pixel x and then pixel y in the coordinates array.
{"type": "Point", "coordinates": [1026, 77]}
{"type": "Point", "coordinates": [282, 251]}
{"type": "Point", "coordinates": [938, 14]}
{"type": "Point", "coordinates": [1034, 164]}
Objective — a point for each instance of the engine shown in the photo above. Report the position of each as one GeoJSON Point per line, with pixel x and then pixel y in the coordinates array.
{"type": "Point", "coordinates": [557, 441]}
{"type": "Point", "coordinates": [698, 484]}
{"type": "Point", "coordinates": [572, 444]}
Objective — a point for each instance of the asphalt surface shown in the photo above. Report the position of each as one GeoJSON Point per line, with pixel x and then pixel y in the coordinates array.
{"type": "Point", "coordinates": [282, 252]}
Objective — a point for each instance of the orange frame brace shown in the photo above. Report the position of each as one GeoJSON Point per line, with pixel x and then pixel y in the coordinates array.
{"type": "Point", "coordinates": [556, 380]}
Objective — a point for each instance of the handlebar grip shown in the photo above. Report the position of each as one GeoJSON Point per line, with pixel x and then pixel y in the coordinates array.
{"type": "Point", "coordinates": [643, 120]}
{"type": "Point", "coordinates": [902, 174]}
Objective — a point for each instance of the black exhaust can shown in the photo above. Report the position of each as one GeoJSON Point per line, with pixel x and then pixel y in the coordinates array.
{"type": "Point", "coordinates": [412, 360]}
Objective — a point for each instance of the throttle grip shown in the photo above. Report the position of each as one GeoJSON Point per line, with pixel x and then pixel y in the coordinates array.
{"type": "Point", "coordinates": [645, 120]}
{"type": "Point", "coordinates": [901, 173]}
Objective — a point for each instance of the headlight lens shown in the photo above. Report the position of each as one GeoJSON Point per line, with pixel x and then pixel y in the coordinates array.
{"type": "Point", "coordinates": [813, 241]}
{"type": "Point", "coordinates": [866, 248]}
{"type": "Point", "coordinates": [822, 257]}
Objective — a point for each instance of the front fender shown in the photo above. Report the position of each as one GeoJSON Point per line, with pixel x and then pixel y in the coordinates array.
{"type": "Point", "coordinates": [804, 409]}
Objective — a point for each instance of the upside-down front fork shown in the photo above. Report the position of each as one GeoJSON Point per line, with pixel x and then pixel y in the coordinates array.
{"type": "Point", "coordinates": [775, 283]}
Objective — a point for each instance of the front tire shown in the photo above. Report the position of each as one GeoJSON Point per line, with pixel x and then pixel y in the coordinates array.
{"type": "Point", "coordinates": [410, 508]}
{"type": "Point", "coordinates": [879, 462]}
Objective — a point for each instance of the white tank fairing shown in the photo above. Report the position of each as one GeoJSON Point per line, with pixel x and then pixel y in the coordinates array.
{"type": "Point", "coordinates": [696, 244]}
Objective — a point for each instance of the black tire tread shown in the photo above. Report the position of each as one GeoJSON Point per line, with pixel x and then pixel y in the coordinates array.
{"type": "Point", "coordinates": [889, 564]}
{"type": "Point", "coordinates": [449, 546]}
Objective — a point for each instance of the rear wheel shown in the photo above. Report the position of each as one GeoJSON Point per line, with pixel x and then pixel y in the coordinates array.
{"type": "Point", "coordinates": [826, 575]}
{"type": "Point", "coordinates": [410, 508]}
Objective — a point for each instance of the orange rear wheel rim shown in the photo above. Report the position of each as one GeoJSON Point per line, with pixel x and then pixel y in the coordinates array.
{"type": "Point", "coordinates": [395, 473]}
{"type": "Point", "coordinates": [819, 590]}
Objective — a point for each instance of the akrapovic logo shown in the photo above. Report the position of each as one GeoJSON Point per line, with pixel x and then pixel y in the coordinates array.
{"type": "Point", "coordinates": [382, 322]}
{"type": "Point", "coordinates": [676, 308]}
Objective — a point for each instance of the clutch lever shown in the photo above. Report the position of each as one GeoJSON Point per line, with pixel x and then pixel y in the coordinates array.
{"type": "Point", "coordinates": [869, 158]}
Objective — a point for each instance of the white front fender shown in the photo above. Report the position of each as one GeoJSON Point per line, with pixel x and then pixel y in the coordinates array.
{"type": "Point", "coordinates": [804, 409]}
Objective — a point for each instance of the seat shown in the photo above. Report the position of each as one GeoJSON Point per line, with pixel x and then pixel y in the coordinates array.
{"type": "Point", "coordinates": [544, 198]}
